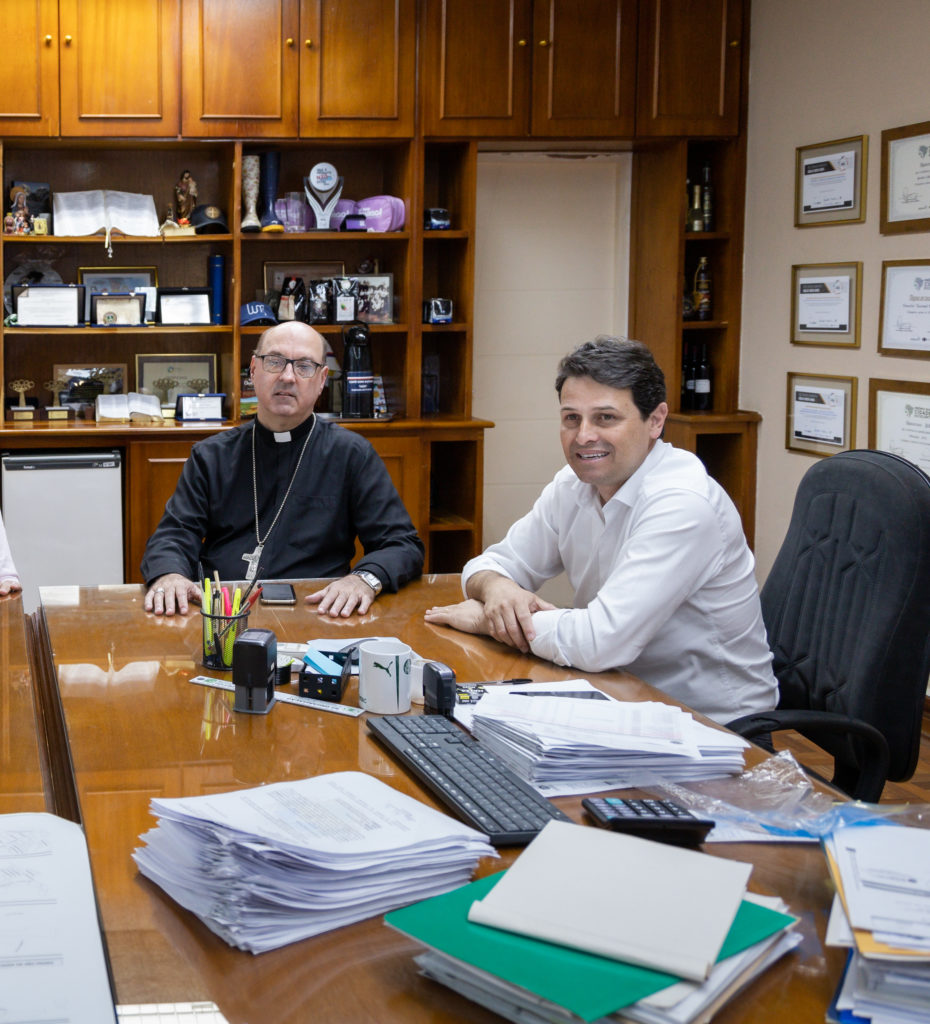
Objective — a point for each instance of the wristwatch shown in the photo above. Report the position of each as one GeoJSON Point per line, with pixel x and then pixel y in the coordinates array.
{"type": "Point", "coordinates": [369, 578]}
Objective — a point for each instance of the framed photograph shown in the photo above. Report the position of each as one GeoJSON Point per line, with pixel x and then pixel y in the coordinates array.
{"type": "Point", "coordinates": [821, 413]}
{"type": "Point", "coordinates": [117, 310]}
{"type": "Point", "coordinates": [183, 306]}
{"type": "Point", "coordinates": [118, 279]}
{"type": "Point", "coordinates": [905, 193]}
{"type": "Point", "coordinates": [830, 182]}
{"type": "Point", "coordinates": [904, 317]}
{"type": "Point", "coordinates": [80, 383]}
{"type": "Point", "coordinates": [178, 374]}
{"type": "Point", "coordinates": [313, 270]}
{"type": "Point", "coordinates": [375, 300]}
{"type": "Point", "coordinates": [826, 304]}
{"type": "Point", "coordinates": [899, 419]}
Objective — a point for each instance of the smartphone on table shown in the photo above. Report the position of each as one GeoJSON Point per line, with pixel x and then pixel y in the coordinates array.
{"type": "Point", "coordinates": [278, 593]}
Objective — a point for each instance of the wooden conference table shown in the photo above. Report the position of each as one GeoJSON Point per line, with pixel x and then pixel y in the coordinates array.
{"type": "Point", "coordinates": [136, 728]}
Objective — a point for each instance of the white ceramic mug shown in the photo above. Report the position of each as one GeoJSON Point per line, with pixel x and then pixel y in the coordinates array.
{"type": "Point", "coordinates": [384, 677]}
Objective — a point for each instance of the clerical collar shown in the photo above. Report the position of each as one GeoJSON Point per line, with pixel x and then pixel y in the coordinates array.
{"type": "Point", "coordinates": [286, 436]}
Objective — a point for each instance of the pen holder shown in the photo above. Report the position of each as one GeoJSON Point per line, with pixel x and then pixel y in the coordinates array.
{"type": "Point", "coordinates": [219, 636]}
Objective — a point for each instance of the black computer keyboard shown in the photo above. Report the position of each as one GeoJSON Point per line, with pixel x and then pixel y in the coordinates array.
{"type": "Point", "coordinates": [478, 787]}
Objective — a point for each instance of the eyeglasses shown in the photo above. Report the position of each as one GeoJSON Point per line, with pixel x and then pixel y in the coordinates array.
{"type": "Point", "coordinates": [274, 363]}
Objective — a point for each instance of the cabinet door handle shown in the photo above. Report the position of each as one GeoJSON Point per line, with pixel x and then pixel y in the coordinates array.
{"type": "Point", "coordinates": [289, 42]}
{"type": "Point", "coordinates": [521, 42]}
{"type": "Point", "coordinates": [543, 42]}
{"type": "Point", "coordinates": [308, 43]}
{"type": "Point", "coordinates": [67, 40]}
{"type": "Point", "coordinates": [48, 40]}
{"type": "Point", "coordinates": [734, 42]}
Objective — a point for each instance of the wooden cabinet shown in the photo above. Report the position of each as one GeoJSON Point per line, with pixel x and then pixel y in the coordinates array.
{"type": "Point", "coordinates": [724, 436]}
{"type": "Point", "coordinates": [510, 69]}
{"type": "Point", "coordinates": [153, 468]}
{"type": "Point", "coordinates": [283, 68]}
{"type": "Point", "coordinates": [91, 67]}
{"type": "Point", "coordinates": [690, 61]}
{"type": "Point", "coordinates": [29, 71]}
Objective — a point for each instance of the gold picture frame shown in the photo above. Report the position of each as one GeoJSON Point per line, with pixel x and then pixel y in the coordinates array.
{"type": "Point", "coordinates": [904, 309]}
{"type": "Point", "coordinates": [820, 413]}
{"type": "Point", "coordinates": [170, 374]}
{"type": "Point", "coordinates": [905, 194]}
{"type": "Point", "coordinates": [118, 279]}
{"type": "Point", "coordinates": [899, 419]}
{"type": "Point", "coordinates": [830, 182]}
{"type": "Point", "coordinates": [826, 304]}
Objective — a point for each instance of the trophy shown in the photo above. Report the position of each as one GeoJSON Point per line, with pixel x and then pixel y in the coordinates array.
{"type": "Point", "coordinates": [250, 179]}
{"type": "Point", "coordinates": [323, 187]}
{"type": "Point", "coordinates": [55, 411]}
{"type": "Point", "coordinates": [21, 411]}
{"type": "Point", "coordinates": [163, 387]}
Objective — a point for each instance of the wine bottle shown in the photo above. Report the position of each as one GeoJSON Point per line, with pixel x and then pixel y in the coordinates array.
{"type": "Point", "coordinates": [690, 376]}
{"type": "Point", "coordinates": [696, 213]}
{"type": "Point", "coordinates": [702, 292]}
{"type": "Point", "coordinates": [703, 384]}
{"type": "Point", "coordinates": [707, 200]}
{"type": "Point", "coordinates": [358, 392]}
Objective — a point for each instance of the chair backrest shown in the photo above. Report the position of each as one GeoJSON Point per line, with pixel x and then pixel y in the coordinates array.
{"type": "Point", "coordinates": [847, 603]}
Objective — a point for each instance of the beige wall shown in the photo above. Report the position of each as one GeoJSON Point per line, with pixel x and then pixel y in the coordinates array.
{"type": "Point", "coordinates": [550, 272]}
{"type": "Point", "coordinates": [820, 70]}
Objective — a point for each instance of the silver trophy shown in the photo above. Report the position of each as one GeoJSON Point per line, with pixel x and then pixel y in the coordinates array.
{"type": "Point", "coordinates": [323, 187]}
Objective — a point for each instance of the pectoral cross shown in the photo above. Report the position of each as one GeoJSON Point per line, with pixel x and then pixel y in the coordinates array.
{"type": "Point", "coordinates": [253, 559]}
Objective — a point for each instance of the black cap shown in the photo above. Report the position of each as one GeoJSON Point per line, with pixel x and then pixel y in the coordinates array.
{"type": "Point", "coordinates": [209, 220]}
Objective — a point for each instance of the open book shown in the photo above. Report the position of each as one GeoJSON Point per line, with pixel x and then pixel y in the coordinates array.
{"type": "Point", "coordinates": [135, 406]}
{"type": "Point", "coordinates": [103, 211]}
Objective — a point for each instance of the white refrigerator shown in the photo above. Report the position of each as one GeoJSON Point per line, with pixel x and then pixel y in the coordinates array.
{"type": "Point", "coordinates": [63, 513]}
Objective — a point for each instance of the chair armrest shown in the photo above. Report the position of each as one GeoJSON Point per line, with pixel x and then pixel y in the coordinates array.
{"type": "Point", "coordinates": [872, 756]}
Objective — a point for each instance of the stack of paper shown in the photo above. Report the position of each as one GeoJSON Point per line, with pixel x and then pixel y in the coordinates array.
{"type": "Point", "coordinates": [267, 866]}
{"type": "Point", "coordinates": [654, 913]}
{"type": "Point", "coordinates": [882, 912]}
{"type": "Point", "coordinates": [568, 737]}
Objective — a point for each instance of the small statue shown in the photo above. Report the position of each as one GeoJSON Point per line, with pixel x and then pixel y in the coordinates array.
{"type": "Point", "coordinates": [185, 194]}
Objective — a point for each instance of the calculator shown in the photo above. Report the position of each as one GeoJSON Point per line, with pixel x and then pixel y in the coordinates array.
{"type": "Point", "coordinates": [661, 820]}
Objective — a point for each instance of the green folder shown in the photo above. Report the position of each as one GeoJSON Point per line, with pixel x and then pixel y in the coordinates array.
{"type": "Point", "coordinates": [588, 985]}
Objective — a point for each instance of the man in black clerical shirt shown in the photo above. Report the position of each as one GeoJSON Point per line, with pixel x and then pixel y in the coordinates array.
{"type": "Point", "coordinates": [283, 497]}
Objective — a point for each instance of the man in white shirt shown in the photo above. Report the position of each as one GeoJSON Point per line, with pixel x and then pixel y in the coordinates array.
{"type": "Point", "coordinates": [652, 546]}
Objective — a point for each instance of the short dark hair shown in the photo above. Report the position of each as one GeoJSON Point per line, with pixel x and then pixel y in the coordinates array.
{"type": "Point", "coordinates": [618, 363]}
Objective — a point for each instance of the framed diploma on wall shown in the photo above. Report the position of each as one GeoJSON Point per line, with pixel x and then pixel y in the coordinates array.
{"type": "Point", "coordinates": [826, 304]}
{"type": "Point", "coordinates": [906, 179]}
{"type": "Point", "coordinates": [829, 182]}
{"type": "Point", "coordinates": [904, 317]}
{"type": "Point", "coordinates": [899, 419]}
{"type": "Point", "coordinates": [821, 413]}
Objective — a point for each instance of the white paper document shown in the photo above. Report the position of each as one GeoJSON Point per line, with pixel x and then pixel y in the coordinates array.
{"type": "Point", "coordinates": [568, 737]}
{"type": "Point", "coordinates": [886, 881]}
{"type": "Point", "coordinates": [52, 965]}
{"type": "Point", "coordinates": [267, 866]}
{"type": "Point", "coordinates": [621, 897]}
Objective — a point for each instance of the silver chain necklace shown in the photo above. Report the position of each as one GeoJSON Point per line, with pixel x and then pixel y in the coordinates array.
{"type": "Point", "coordinates": [253, 557]}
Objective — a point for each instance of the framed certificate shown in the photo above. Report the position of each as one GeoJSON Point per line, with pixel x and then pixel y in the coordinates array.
{"type": "Point", "coordinates": [821, 414]}
{"type": "Point", "coordinates": [826, 304]}
{"type": "Point", "coordinates": [899, 419]}
{"type": "Point", "coordinates": [48, 305]}
{"type": "Point", "coordinates": [904, 319]}
{"type": "Point", "coordinates": [829, 182]}
{"type": "Point", "coordinates": [184, 305]}
{"type": "Point", "coordinates": [117, 310]}
{"type": "Point", "coordinates": [176, 374]}
{"type": "Point", "coordinates": [906, 179]}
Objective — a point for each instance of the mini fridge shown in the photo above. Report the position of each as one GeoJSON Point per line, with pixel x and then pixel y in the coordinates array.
{"type": "Point", "coordinates": [63, 513]}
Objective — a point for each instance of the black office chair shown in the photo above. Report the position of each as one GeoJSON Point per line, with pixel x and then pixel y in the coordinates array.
{"type": "Point", "coordinates": [847, 610]}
